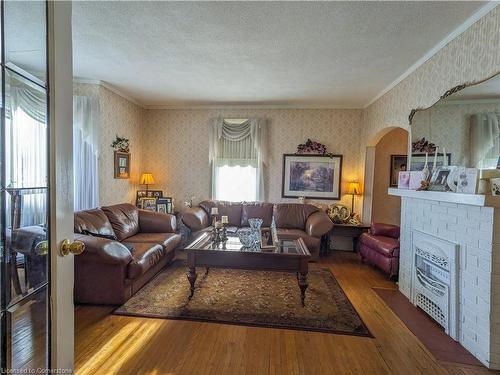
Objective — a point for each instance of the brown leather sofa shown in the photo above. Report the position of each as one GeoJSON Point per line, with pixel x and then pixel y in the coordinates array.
{"type": "Point", "coordinates": [292, 220]}
{"type": "Point", "coordinates": [380, 247]}
{"type": "Point", "coordinates": [124, 248]}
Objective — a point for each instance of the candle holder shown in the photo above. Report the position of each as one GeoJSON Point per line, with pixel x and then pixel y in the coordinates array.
{"type": "Point", "coordinates": [224, 233]}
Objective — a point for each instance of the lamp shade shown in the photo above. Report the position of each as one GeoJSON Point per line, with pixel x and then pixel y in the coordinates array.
{"type": "Point", "coordinates": [147, 179]}
{"type": "Point", "coordinates": [354, 188]}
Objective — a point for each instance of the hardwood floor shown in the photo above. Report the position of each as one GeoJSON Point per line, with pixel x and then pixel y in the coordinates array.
{"type": "Point", "coordinates": [107, 344]}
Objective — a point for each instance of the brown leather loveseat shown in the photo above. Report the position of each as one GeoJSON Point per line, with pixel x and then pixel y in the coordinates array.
{"type": "Point", "coordinates": [124, 248]}
{"type": "Point", "coordinates": [292, 220]}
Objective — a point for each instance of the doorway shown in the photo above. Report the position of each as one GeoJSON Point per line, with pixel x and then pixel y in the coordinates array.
{"type": "Point", "coordinates": [378, 206]}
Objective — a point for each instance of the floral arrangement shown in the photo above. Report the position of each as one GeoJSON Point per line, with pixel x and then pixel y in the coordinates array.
{"type": "Point", "coordinates": [423, 145]}
{"type": "Point", "coordinates": [312, 147]}
{"type": "Point", "coordinates": [121, 144]}
{"type": "Point", "coordinates": [189, 203]}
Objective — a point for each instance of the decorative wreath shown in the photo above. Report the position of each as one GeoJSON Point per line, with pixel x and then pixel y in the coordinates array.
{"type": "Point", "coordinates": [312, 147]}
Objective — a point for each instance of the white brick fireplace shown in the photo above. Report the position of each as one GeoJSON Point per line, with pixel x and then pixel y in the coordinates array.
{"type": "Point", "coordinates": [471, 225]}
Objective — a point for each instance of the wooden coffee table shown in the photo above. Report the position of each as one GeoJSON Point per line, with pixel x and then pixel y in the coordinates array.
{"type": "Point", "coordinates": [288, 256]}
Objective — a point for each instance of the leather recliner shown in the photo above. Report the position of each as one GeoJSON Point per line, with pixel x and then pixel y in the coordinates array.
{"type": "Point", "coordinates": [380, 247]}
{"type": "Point", "coordinates": [292, 220]}
{"type": "Point", "coordinates": [124, 248]}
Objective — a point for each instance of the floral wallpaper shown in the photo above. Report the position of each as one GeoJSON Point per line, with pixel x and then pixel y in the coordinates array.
{"type": "Point", "coordinates": [175, 146]}
{"type": "Point", "coordinates": [120, 117]}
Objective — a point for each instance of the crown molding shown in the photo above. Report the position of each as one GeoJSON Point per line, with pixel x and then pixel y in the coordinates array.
{"type": "Point", "coordinates": [450, 37]}
{"type": "Point", "coordinates": [110, 87]}
{"type": "Point", "coordinates": [247, 106]}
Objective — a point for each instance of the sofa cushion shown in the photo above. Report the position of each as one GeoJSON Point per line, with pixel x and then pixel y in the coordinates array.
{"type": "Point", "coordinates": [93, 222]}
{"type": "Point", "coordinates": [169, 241]}
{"type": "Point", "coordinates": [231, 209]}
{"type": "Point", "coordinates": [292, 215]}
{"type": "Point", "coordinates": [124, 219]}
{"type": "Point", "coordinates": [384, 245]}
{"type": "Point", "coordinates": [144, 256]}
{"type": "Point", "coordinates": [260, 210]}
{"type": "Point", "coordinates": [312, 243]}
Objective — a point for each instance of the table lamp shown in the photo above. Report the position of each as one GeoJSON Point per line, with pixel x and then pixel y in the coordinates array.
{"type": "Point", "coordinates": [147, 179]}
{"type": "Point", "coordinates": [353, 190]}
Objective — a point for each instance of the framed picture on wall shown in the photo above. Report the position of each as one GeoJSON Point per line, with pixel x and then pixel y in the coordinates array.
{"type": "Point", "coordinates": [399, 163]}
{"type": "Point", "coordinates": [311, 176]}
{"type": "Point", "coordinates": [122, 165]}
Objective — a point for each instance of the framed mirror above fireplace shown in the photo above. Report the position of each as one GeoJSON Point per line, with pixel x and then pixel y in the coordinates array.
{"type": "Point", "coordinates": [464, 123]}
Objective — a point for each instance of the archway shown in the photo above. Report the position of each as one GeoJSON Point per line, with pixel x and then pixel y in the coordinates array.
{"type": "Point", "coordinates": [377, 204]}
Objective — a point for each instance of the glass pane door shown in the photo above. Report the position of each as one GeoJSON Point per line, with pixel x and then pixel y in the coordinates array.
{"type": "Point", "coordinates": [25, 325]}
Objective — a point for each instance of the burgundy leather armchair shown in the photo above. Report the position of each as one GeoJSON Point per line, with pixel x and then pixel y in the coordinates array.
{"type": "Point", "coordinates": [380, 247]}
{"type": "Point", "coordinates": [292, 220]}
{"type": "Point", "coordinates": [124, 248]}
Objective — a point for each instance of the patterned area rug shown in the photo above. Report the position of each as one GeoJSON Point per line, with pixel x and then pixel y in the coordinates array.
{"type": "Point", "coordinates": [257, 298]}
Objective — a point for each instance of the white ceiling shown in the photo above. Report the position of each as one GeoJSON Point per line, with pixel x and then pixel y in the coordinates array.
{"type": "Point", "coordinates": [303, 54]}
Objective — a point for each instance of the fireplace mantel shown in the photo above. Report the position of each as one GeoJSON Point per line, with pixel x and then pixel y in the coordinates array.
{"type": "Point", "coordinates": [469, 199]}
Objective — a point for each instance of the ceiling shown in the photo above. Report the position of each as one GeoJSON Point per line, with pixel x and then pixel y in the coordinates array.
{"type": "Point", "coordinates": [294, 54]}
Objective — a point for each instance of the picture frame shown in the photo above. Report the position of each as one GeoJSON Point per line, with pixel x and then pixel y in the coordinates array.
{"type": "Point", "coordinates": [147, 194]}
{"type": "Point", "coordinates": [418, 161]}
{"type": "Point", "coordinates": [404, 180]}
{"type": "Point", "coordinates": [147, 203]}
{"type": "Point", "coordinates": [122, 165]}
{"type": "Point", "coordinates": [399, 163]}
{"type": "Point", "coordinates": [495, 187]}
{"type": "Point", "coordinates": [311, 176]}
{"type": "Point", "coordinates": [467, 179]}
{"type": "Point", "coordinates": [164, 205]}
{"type": "Point", "coordinates": [439, 180]}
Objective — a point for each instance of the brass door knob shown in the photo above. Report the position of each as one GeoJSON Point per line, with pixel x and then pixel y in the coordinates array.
{"type": "Point", "coordinates": [75, 247]}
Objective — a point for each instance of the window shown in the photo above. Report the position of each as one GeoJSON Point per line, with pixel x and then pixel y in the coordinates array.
{"type": "Point", "coordinates": [236, 183]}
{"type": "Point", "coordinates": [238, 155]}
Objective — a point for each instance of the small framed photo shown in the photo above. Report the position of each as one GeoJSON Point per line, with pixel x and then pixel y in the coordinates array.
{"type": "Point", "coordinates": [155, 193]}
{"type": "Point", "coordinates": [439, 180]}
{"type": "Point", "coordinates": [404, 180]}
{"type": "Point", "coordinates": [122, 165]}
{"type": "Point", "coordinates": [164, 204]}
{"type": "Point", "coordinates": [495, 186]}
{"type": "Point", "coordinates": [147, 203]}
{"type": "Point", "coordinates": [498, 163]}
{"type": "Point", "coordinates": [398, 164]}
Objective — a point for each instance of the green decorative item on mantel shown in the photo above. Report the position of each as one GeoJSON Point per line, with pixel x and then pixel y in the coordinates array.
{"type": "Point", "coordinates": [121, 144]}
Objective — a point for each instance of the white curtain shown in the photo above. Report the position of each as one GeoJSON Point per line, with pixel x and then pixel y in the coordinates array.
{"type": "Point", "coordinates": [26, 147]}
{"type": "Point", "coordinates": [485, 140]}
{"type": "Point", "coordinates": [85, 152]}
{"type": "Point", "coordinates": [238, 144]}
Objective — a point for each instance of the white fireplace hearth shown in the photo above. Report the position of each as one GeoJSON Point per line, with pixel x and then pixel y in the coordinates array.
{"type": "Point", "coordinates": [450, 265]}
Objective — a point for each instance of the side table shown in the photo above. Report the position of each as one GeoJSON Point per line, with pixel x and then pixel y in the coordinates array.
{"type": "Point", "coordinates": [344, 230]}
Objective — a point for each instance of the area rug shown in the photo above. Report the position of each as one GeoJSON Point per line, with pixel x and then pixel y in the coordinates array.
{"type": "Point", "coordinates": [256, 298]}
{"type": "Point", "coordinates": [442, 346]}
